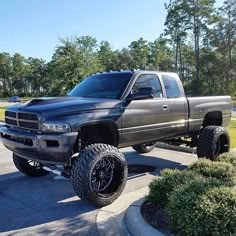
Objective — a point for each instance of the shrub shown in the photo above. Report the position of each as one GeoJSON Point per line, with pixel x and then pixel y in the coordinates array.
{"type": "Point", "coordinates": [219, 170]}
{"type": "Point", "coordinates": [203, 208]}
{"type": "Point", "coordinates": [227, 157]}
{"type": "Point", "coordinates": [160, 188]}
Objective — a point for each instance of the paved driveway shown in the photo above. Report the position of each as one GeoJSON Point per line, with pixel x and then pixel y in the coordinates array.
{"type": "Point", "coordinates": [48, 206]}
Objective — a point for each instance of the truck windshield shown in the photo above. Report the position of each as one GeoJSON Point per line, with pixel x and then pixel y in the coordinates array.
{"type": "Point", "coordinates": [110, 85]}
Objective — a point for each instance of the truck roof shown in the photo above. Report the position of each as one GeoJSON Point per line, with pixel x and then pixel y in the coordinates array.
{"type": "Point", "coordinates": [134, 72]}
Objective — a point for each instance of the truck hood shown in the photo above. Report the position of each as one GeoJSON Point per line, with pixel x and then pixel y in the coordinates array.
{"type": "Point", "coordinates": [65, 105]}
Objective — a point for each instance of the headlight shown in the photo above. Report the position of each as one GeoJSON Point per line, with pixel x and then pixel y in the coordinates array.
{"type": "Point", "coordinates": [56, 127]}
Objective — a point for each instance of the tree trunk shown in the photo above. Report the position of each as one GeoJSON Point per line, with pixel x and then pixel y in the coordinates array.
{"type": "Point", "coordinates": [181, 62]}
{"type": "Point", "coordinates": [176, 56]}
{"type": "Point", "coordinates": [196, 39]}
{"type": "Point", "coordinates": [229, 40]}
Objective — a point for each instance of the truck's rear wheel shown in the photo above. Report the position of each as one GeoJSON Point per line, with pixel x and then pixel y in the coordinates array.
{"type": "Point", "coordinates": [99, 174]}
{"type": "Point", "coordinates": [28, 167]}
{"type": "Point", "coordinates": [213, 140]}
{"type": "Point", "coordinates": [144, 148]}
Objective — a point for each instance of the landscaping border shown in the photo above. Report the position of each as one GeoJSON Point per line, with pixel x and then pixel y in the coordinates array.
{"type": "Point", "coordinates": [135, 223]}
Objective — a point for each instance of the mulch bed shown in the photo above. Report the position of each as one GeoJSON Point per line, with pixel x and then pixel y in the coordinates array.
{"type": "Point", "coordinates": [156, 216]}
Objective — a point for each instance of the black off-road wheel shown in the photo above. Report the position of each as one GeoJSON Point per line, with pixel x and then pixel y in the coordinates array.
{"type": "Point", "coordinates": [28, 167]}
{"type": "Point", "coordinates": [144, 148]}
{"type": "Point", "coordinates": [212, 141]}
{"type": "Point", "coordinates": [99, 174]}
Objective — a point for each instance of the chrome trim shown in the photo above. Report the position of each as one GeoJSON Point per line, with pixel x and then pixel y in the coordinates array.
{"type": "Point", "coordinates": [30, 121]}
{"type": "Point", "coordinates": [10, 118]}
{"type": "Point", "coordinates": [199, 120]}
{"type": "Point", "coordinates": [17, 119]}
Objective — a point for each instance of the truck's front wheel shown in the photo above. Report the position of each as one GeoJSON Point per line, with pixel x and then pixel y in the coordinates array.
{"type": "Point", "coordinates": [213, 140]}
{"type": "Point", "coordinates": [99, 174]}
{"type": "Point", "coordinates": [28, 167]}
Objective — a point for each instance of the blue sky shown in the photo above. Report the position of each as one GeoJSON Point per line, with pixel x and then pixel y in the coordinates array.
{"type": "Point", "coordinates": [32, 27]}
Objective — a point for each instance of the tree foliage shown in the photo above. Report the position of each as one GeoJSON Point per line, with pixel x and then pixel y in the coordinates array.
{"type": "Point", "coordinates": [199, 43]}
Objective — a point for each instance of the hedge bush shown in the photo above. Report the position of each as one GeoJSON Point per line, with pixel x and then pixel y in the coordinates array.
{"type": "Point", "coordinates": [161, 188]}
{"type": "Point", "coordinates": [215, 169]}
{"type": "Point", "coordinates": [227, 157]}
{"type": "Point", "coordinates": [203, 207]}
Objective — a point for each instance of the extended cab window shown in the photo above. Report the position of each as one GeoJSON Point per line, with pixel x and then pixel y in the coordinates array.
{"type": "Point", "coordinates": [171, 86]}
{"type": "Point", "coordinates": [144, 81]}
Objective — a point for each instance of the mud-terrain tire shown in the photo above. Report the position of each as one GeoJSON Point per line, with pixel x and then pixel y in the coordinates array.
{"type": "Point", "coordinates": [144, 148]}
{"type": "Point", "coordinates": [28, 167]}
{"type": "Point", "coordinates": [99, 174]}
{"type": "Point", "coordinates": [212, 141]}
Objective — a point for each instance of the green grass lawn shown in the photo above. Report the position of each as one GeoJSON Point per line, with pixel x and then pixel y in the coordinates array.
{"type": "Point", "coordinates": [231, 128]}
{"type": "Point", "coordinates": [232, 132]}
{"type": "Point", "coordinates": [2, 111]}
{"type": "Point", "coordinates": [5, 99]}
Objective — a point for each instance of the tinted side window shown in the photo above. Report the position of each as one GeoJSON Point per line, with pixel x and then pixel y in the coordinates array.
{"type": "Point", "coordinates": [148, 81]}
{"type": "Point", "coordinates": [171, 86]}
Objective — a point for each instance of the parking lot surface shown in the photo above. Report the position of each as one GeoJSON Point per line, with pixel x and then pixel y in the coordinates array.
{"type": "Point", "coordinates": [48, 206]}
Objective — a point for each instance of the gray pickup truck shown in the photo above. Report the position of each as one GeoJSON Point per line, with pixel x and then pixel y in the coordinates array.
{"type": "Point", "coordinates": [78, 135]}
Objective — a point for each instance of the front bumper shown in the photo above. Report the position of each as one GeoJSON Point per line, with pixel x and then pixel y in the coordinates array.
{"type": "Point", "coordinates": [53, 148]}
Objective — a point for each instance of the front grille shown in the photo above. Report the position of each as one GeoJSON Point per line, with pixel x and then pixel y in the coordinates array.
{"type": "Point", "coordinates": [10, 121]}
{"type": "Point", "coordinates": [28, 125]}
{"type": "Point", "coordinates": [22, 120]}
{"type": "Point", "coordinates": [10, 114]}
{"type": "Point", "coordinates": [27, 116]}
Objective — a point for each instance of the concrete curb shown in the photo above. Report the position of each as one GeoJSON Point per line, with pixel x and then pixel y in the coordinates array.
{"type": "Point", "coordinates": [109, 219]}
{"type": "Point", "coordinates": [135, 223]}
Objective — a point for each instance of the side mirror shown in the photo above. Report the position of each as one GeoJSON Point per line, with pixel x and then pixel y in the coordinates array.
{"type": "Point", "coordinates": [143, 93]}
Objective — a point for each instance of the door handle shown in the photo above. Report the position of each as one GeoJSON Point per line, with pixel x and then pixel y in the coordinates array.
{"type": "Point", "coordinates": [164, 107]}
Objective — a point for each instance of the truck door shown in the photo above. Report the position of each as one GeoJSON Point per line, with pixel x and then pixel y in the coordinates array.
{"type": "Point", "coordinates": [145, 119]}
{"type": "Point", "coordinates": [178, 105]}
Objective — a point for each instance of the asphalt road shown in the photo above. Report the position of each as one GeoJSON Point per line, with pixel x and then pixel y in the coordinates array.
{"type": "Point", "coordinates": [48, 205]}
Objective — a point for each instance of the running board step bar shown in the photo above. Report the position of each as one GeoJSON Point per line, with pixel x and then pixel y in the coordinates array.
{"type": "Point", "coordinates": [56, 171]}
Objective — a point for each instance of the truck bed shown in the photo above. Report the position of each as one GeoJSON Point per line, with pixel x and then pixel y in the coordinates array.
{"type": "Point", "coordinates": [200, 106]}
